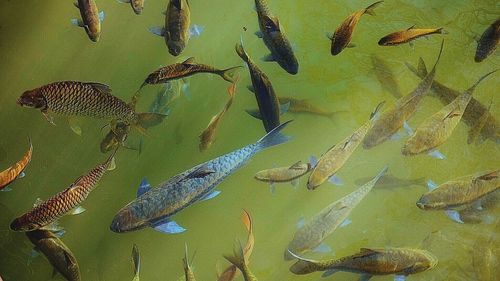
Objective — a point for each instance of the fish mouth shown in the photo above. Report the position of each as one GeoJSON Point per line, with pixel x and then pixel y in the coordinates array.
{"type": "Point", "coordinates": [421, 205]}
{"type": "Point", "coordinates": [311, 186]}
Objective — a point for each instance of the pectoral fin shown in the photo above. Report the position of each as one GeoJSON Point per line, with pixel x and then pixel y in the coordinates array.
{"type": "Point", "coordinates": [78, 210]}
{"type": "Point", "coordinates": [259, 34]}
{"type": "Point", "coordinates": [254, 113]}
{"type": "Point", "coordinates": [157, 30]}
{"type": "Point", "coordinates": [168, 226]}
{"type": "Point", "coordinates": [454, 216]}
{"type": "Point", "coordinates": [322, 248]}
{"type": "Point", "coordinates": [268, 57]}
{"type": "Point", "coordinates": [209, 196]}
{"type": "Point", "coordinates": [77, 22]}
{"type": "Point", "coordinates": [284, 108]}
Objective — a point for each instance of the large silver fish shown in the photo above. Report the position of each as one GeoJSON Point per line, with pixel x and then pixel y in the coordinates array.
{"type": "Point", "coordinates": [155, 207]}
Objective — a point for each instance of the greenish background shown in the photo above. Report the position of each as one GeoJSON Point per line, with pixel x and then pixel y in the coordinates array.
{"type": "Point", "coordinates": [38, 45]}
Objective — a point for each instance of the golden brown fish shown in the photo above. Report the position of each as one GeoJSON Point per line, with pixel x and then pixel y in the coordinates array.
{"type": "Point", "coordinates": [342, 36]}
{"type": "Point", "coordinates": [115, 137]}
{"type": "Point", "coordinates": [284, 174]}
{"type": "Point", "coordinates": [137, 5]}
{"type": "Point", "coordinates": [385, 76]}
{"type": "Point", "coordinates": [393, 119]}
{"type": "Point", "coordinates": [369, 262]}
{"type": "Point", "coordinates": [177, 21]}
{"type": "Point", "coordinates": [91, 18]}
{"type": "Point", "coordinates": [136, 259]}
{"type": "Point", "coordinates": [13, 172]}
{"type": "Point", "coordinates": [405, 36]}
{"type": "Point", "coordinates": [488, 42]}
{"type": "Point", "coordinates": [63, 202]}
{"type": "Point", "coordinates": [239, 260]}
{"type": "Point", "coordinates": [188, 271]}
{"type": "Point", "coordinates": [304, 106]}
{"type": "Point", "coordinates": [335, 158]}
{"type": "Point", "coordinates": [56, 252]}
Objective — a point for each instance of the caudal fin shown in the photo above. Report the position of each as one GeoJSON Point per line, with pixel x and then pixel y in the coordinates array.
{"type": "Point", "coordinates": [274, 137]}
{"type": "Point", "coordinates": [302, 265]}
{"type": "Point", "coordinates": [369, 9]}
{"type": "Point", "coordinates": [238, 258]}
{"type": "Point", "coordinates": [471, 89]}
{"type": "Point", "coordinates": [146, 120]}
{"type": "Point", "coordinates": [230, 74]}
{"type": "Point", "coordinates": [241, 52]}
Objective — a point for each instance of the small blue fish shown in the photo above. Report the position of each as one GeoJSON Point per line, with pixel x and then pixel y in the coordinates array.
{"type": "Point", "coordinates": [155, 207]}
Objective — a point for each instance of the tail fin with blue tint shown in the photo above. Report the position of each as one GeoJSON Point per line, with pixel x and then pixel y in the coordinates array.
{"type": "Point", "coordinates": [274, 137]}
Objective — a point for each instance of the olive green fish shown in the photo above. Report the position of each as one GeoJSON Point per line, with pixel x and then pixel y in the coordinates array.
{"type": "Point", "coordinates": [136, 259]}
{"type": "Point", "coordinates": [91, 18]}
{"type": "Point", "coordinates": [188, 271]}
{"type": "Point", "coordinates": [488, 42]}
{"type": "Point", "coordinates": [324, 223]}
{"type": "Point", "coordinates": [391, 181]}
{"type": "Point", "coordinates": [284, 174]}
{"type": "Point", "coordinates": [137, 5]}
{"type": "Point", "coordinates": [385, 76]}
{"type": "Point", "coordinates": [475, 131]}
{"type": "Point", "coordinates": [343, 34]}
{"type": "Point", "coordinates": [368, 262]}
{"type": "Point", "coordinates": [56, 252]}
{"type": "Point", "coordinates": [405, 36]}
{"type": "Point", "coordinates": [239, 260]}
{"type": "Point", "coordinates": [393, 119]}
{"type": "Point", "coordinates": [437, 128]}
{"type": "Point", "coordinates": [329, 163]}
{"type": "Point", "coordinates": [63, 202]}
{"type": "Point", "coordinates": [304, 106]}
{"type": "Point", "coordinates": [485, 255]}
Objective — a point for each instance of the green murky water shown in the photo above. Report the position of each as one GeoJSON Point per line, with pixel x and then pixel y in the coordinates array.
{"type": "Point", "coordinates": [39, 46]}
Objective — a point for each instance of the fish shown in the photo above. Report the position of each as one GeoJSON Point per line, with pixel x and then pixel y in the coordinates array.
{"type": "Point", "coordinates": [304, 106]}
{"type": "Point", "coordinates": [474, 111]}
{"type": "Point", "coordinates": [185, 69]}
{"type": "Point", "coordinates": [15, 171]}
{"type": "Point", "coordinates": [155, 207]}
{"type": "Point", "coordinates": [391, 181]}
{"type": "Point", "coordinates": [385, 76]}
{"type": "Point", "coordinates": [91, 18]}
{"type": "Point", "coordinates": [368, 262]}
{"type": "Point", "coordinates": [272, 32]}
{"type": "Point", "coordinates": [188, 271]}
{"type": "Point", "coordinates": [137, 5]}
{"type": "Point", "coordinates": [207, 137]}
{"type": "Point", "coordinates": [331, 161]}
{"type": "Point", "coordinates": [393, 119]}
{"type": "Point", "coordinates": [437, 128]}
{"type": "Point", "coordinates": [49, 211]}
{"type": "Point", "coordinates": [484, 256]}
{"type": "Point", "coordinates": [488, 42]}
{"type": "Point", "coordinates": [239, 260]}
{"type": "Point", "coordinates": [343, 34]}
{"type": "Point", "coordinates": [269, 107]}
{"type": "Point", "coordinates": [284, 174]}
{"type": "Point", "coordinates": [56, 252]}
{"type": "Point", "coordinates": [323, 224]}
{"type": "Point", "coordinates": [408, 35]}
{"type": "Point", "coordinates": [115, 137]}
{"type": "Point", "coordinates": [474, 133]}
{"type": "Point", "coordinates": [230, 272]}
{"type": "Point", "coordinates": [165, 97]}
{"type": "Point", "coordinates": [136, 259]}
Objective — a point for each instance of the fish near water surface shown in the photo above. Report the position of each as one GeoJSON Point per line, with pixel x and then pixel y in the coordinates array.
{"type": "Point", "coordinates": [324, 223]}
{"type": "Point", "coordinates": [15, 171]}
{"type": "Point", "coordinates": [437, 128]}
{"type": "Point", "coordinates": [369, 262]}
{"type": "Point", "coordinates": [137, 5]}
{"type": "Point", "coordinates": [56, 252]}
{"type": "Point", "coordinates": [488, 42]}
{"type": "Point", "coordinates": [304, 106]}
{"type": "Point", "coordinates": [405, 36]}
{"type": "Point", "coordinates": [343, 34]}
{"type": "Point", "coordinates": [275, 39]}
{"type": "Point", "coordinates": [49, 211]}
{"type": "Point", "coordinates": [385, 76]}
{"type": "Point", "coordinates": [239, 260]}
{"type": "Point", "coordinates": [269, 107]}
{"type": "Point", "coordinates": [90, 20]}
{"type": "Point", "coordinates": [330, 163]}
{"type": "Point", "coordinates": [391, 120]}
{"type": "Point", "coordinates": [155, 207]}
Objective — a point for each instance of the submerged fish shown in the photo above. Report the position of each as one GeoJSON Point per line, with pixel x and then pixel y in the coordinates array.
{"type": "Point", "coordinates": [393, 119]}
{"type": "Point", "coordinates": [115, 137]}
{"type": "Point", "coordinates": [437, 128]}
{"type": "Point", "coordinates": [391, 181]}
{"type": "Point", "coordinates": [239, 260]}
{"type": "Point", "coordinates": [269, 107]}
{"type": "Point", "coordinates": [304, 106]}
{"type": "Point", "coordinates": [275, 39]}
{"type": "Point", "coordinates": [188, 271]}
{"type": "Point", "coordinates": [56, 252]}
{"type": "Point", "coordinates": [137, 5]}
{"type": "Point", "coordinates": [155, 207]}
{"type": "Point", "coordinates": [474, 111]}
{"type": "Point", "coordinates": [343, 34]}
{"type": "Point", "coordinates": [15, 171]}
{"type": "Point", "coordinates": [165, 97]}
{"type": "Point", "coordinates": [475, 131]}
{"type": "Point", "coordinates": [52, 209]}
{"type": "Point", "coordinates": [484, 256]}
{"type": "Point", "coordinates": [385, 76]}
{"type": "Point", "coordinates": [91, 18]}
{"type": "Point", "coordinates": [207, 137]}
{"type": "Point", "coordinates": [405, 36]}
{"type": "Point", "coordinates": [368, 262]}
{"type": "Point", "coordinates": [329, 163]}
{"type": "Point", "coordinates": [488, 42]}
{"type": "Point", "coordinates": [324, 223]}
{"type": "Point", "coordinates": [136, 259]}
{"type": "Point", "coordinates": [284, 174]}
{"type": "Point", "coordinates": [230, 272]}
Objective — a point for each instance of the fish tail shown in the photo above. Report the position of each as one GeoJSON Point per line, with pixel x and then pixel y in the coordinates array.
{"type": "Point", "coordinates": [471, 89]}
{"type": "Point", "coordinates": [238, 258]}
{"type": "Point", "coordinates": [230, 74]}
{"type": "Point", "coordinates": [147, 119]}
{"type": "Point", "coordinates": [241, 52]}
{"type": "Point", "coordinates": [274, 137]}
{"type": "Point", "coordinates": [303, 265]}
{"type": "Point", "coordinates": [421, 68]}
{"type": "Point", "coordinates": [136, 258]}
{"type": "Point", "coordinates": [247, 221]}
{"type": "Point", "coordinates": [369, 9]}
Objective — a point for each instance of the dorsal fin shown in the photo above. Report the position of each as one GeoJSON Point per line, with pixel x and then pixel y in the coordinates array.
{"type": "Point", "coordinates": [363, 252]}
{"type": "Point", "coordinates": [489, 176]}
{"type": "Point", "coordinates": [411, 27]}
{"type": "Point", "coordinates": [103, 88]}
{"type": "Point", "coordinates": [189, 61]}
{"type": "Point", "coordinates": [296, 165]}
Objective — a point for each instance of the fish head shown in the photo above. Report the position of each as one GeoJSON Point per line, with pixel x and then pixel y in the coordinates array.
{"type": "Point", "coordinates": [93, 32]}
{"type": "Point", "coordinates": [175, 47]}
{"type": "Point", "coordinates": [137, 6]}
{"type": "Point", "coordinates": [23, 224]}
{"type": "Point", "coordinates": [32, 98]}
{"type": "Point", "coordinates": [336, 48]}
{"type": "Point", "coordinates": [384, 42]}
{"type": "Point", "coordinates": [125, 221]}
{"type": "Point", "coordinates": [290, 65]}
{"type": "Point", "coordinates": [314, 181]}
{"type": "Point", "coordinates": [413, 146]}
{"type": "Point", "coordinates": [426, 261]}
{"type": "Point", "coordinates": [430, 201]}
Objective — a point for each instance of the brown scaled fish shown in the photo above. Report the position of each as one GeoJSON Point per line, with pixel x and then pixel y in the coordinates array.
{"type": "Point", "coordinates": [137, 5]}
{"type": "Point", "coordinates": [15, 171]}
{"type": "Point", "coordinates": [488, 42]}
{"type": "Point", "coordinates": [284, 174]}
{"type": "Point", "coordinates": [63, 202]}
{"type": "Point", "coordinates": [91, 18]}
{"type": "Point", "coordinates": [304, 106]}
{"type": "Point", "coordinates": [207, 137]}
{"type": "Point", "coordinates": [239, 260]}
{"type": "Point", "coordinates": [342, 36]}
{"type": "Point", "coordinates": [368, 262]}
{"type": "Point", "coordinates": [437, 128]}
{"type": "Point", "coordinates": [56, 252]}
{"type": "Point", "coordinates": [393, 119]}
{"type": "Point", "coordinates": [405, 36]}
